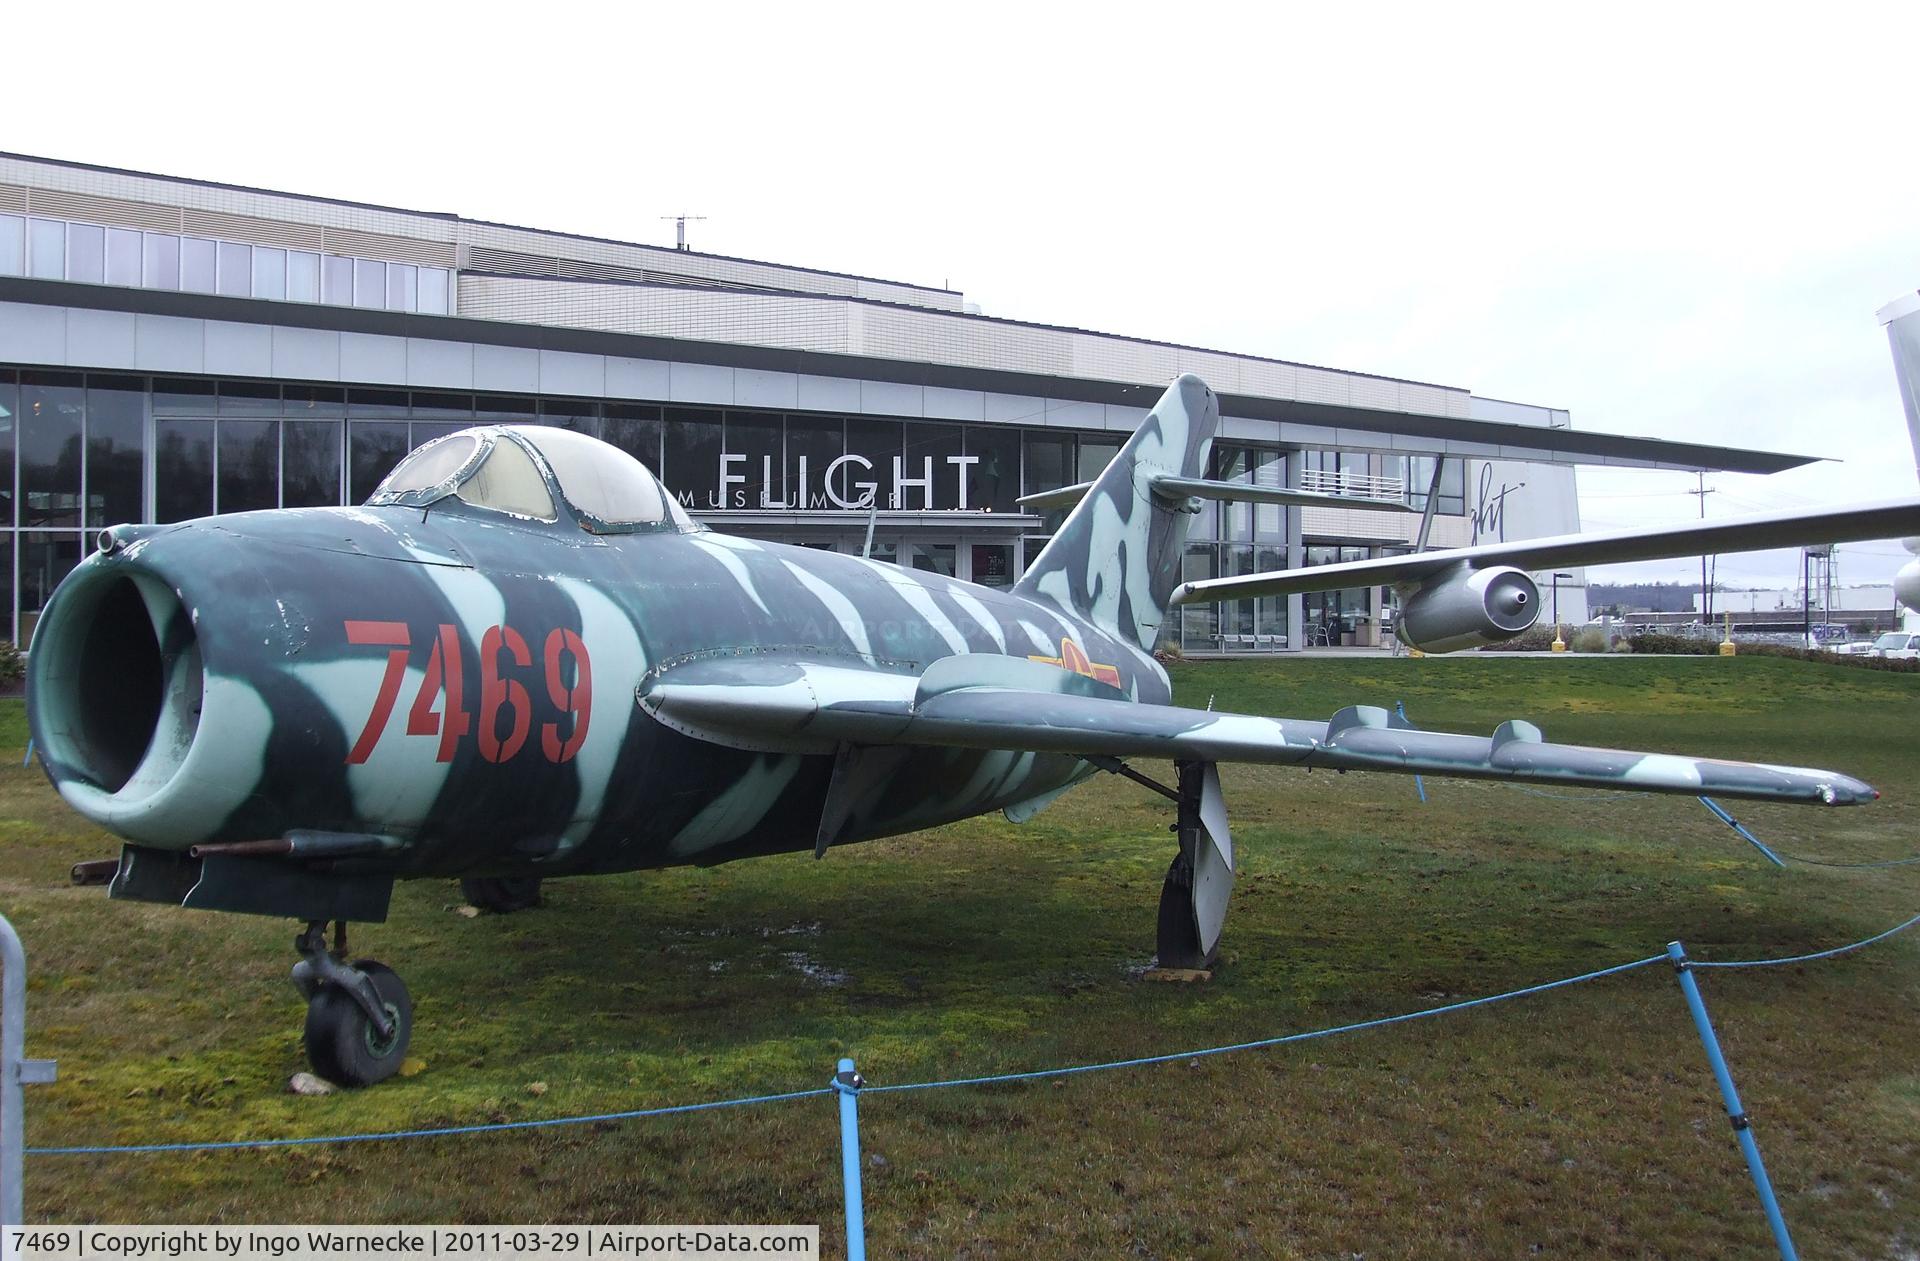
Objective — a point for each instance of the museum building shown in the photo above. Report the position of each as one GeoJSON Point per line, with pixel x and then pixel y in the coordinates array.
{"type": "Point", "coordinates": [172, 348]}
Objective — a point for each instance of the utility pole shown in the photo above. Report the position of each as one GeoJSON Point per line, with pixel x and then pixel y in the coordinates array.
{"type": "Point", "coordinates": [680, 229]}
{"type": "Point", "coordinates": [1706, 591]}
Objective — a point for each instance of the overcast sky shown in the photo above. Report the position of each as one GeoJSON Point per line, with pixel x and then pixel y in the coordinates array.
{"type": "Point", "coordinates": [1671, 220]}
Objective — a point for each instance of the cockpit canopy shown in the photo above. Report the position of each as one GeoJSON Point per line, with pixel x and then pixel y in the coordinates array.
{"type": "Point", "coordinates": [521, 470]}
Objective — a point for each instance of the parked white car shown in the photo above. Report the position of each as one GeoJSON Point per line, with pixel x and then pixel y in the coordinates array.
{"type": "Point", "coordinates": [1897, 644]}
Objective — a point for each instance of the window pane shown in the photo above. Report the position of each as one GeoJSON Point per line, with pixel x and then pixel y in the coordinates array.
{"type": "Point", "coordinates": [993, 564]}
{"type": "Point", "coordinates": [693, 456]}
{"type": "Point", "coordinates": [123, 256]}
{"type": "Point", "coordinates": [13, 245]}
{"type": "Point", "coordinates": [6, 586]}
{"type": "Point", "coordinates": [993, 480]}
{"type": "Point", "coordinates": [269, 272]}
{"type": "Point", "coordinates": [1095, 455]}
{"type": "Point", "coordinates": [426, 432]}
{"type": "Point", "coordinates": [236, 269]}
{"type": "Point", "coordinates": [1200, 623]}
{"type": "Point", "coordinates": [442, 406]}
{"type": "Point", "coordinates": [315, 401]}
{"type": "Point", "coordinates": [46, 249]}
{"type": "Point", "coordinates": [753, 439]}
{"type": "Point", "coordinates": [51, 405]}
{"type": "Point", "coordinates": [9, 408]}
{"type": "Point", "coordinates": [161, 268]}
{"type": "Point", "coordinates": [403, 287]}
{"type": "Point", "coordinates": [376, 403]}
{"type": "Point", "coordinates": [116, 408]}
{"type": "Point", "coordinates": [249, 398]}
{"type": "Point", "coordinates": [182, 469]}
{"type": "Point", "coordinates": [1049, 466]}
{"type": "Point", "coordinates": [877, 442]}
{"type": "Point", "coordinates": [336, 280]}
{"type": "Point", "coordinates": [934, 558]}
{"type": "Point", "coordinates": [312, 463]}
{"type": "Point", "coordinates": [303, 276]}
{"type": "Point", "coordinates": [509, 481]}
{"type": "Point", "coordinates": [86, 253]}
{"type": "Point", "coordinates": [377, 447]}
{"type": "Point", "coordinates": [249, 465]}
{"type": "Point", "coordinates": [434, 285]}
{"type": "Point", "coordinates": [635, 429]}
{"type": "Point", "coordinates": [369, 286]}
{"type": "Point", "coordinates": [494, 408]}
{"type": "Point", "coordinates": [929, 448]}
{"type": "Point", "coordinates": [179, 395]}
{"type": "Point", "coordinates": [813, 444]}
{"type": "Point", "coordinates": [44, 560]}
{"type": "Point", "coordinates": [196, 265]}
{"type": "Point", "coordinates": [569, 413]}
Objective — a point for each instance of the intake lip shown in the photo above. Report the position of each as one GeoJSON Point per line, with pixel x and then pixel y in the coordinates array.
{"type": "Point", "coordinates": [117, 684]}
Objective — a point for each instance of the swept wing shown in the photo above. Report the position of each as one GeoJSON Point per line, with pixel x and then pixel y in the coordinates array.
{"type": "Point", "coordinates": [781, 704]}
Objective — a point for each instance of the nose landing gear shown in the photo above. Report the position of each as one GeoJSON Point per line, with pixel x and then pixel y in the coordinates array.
{"type": "Point", "coordinates": [359, 1015]}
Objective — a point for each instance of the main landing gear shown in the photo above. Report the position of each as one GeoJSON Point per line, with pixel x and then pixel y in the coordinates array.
{"type": "Point", "coordinates": [1199, 881]}
{"type": "Point", "coordinates": [359, 1015]}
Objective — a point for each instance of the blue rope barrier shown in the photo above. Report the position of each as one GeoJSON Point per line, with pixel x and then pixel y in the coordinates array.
{"type": "Point", "coordinates": [992, 1079]}
{"type": "Point", "coordinates": [387, 1135]}
{"type": "Point", "coordinates": [1818, 954]}
{"type": "Point", "coordinates": [1282, 1040]}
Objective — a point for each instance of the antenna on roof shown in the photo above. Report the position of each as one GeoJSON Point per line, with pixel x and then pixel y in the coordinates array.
{"type": "Point", "coordinates": [680, 229]}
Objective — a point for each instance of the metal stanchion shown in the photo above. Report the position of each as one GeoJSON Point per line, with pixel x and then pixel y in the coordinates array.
{"type": "Point", "coordinates": [848, 1083]}
{"type": "Point", "coordinates": [1742, 1129]}
{"type": "Point", "coordinates": [15, 1071]}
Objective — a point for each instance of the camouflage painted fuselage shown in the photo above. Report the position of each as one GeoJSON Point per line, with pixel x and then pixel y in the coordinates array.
{"type": "Point", "coordinates": [466, 684]}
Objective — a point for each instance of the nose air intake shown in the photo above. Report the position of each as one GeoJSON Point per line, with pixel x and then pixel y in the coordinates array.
{"type": "Point", "coordinates": [116, 683]}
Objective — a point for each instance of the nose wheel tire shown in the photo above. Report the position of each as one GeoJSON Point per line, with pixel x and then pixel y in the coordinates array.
{"type": "Point", "coordinates": [342, 1044]}
{"type": "Point", "coordinates": [502, 894]}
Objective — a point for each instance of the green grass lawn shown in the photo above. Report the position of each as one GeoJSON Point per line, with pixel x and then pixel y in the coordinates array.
{"type": "Point", "coordinates": [1576, 1123]}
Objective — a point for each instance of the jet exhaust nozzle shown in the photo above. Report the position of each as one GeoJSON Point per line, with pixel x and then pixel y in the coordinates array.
{"type": "Point", "coordinates": [1465, 608]}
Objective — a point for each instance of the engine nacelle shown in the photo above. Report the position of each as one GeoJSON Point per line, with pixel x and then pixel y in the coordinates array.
{"type": "Point", "coordinates": [1465, 608]}
{"type": "Point", "coordinates": [1906, 583]}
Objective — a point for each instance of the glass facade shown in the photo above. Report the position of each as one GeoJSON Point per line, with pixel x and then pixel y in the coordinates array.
{"type": "Point", "coordinates": [79, 451]}
{"type": "Point", "coordinates": [56, 249]}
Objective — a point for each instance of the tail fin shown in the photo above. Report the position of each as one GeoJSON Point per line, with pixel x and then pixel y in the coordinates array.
{"type": "Point", "coordinates": [1902, 318]}
{"type": "Point", "coordinates": [1116, 559]}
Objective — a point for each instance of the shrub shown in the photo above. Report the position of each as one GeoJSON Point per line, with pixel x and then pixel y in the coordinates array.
{"type": "Point", "coordinates": [12, 665]}
{"type": "Point", "coordinates": [1591, 639]}
{"type": "Point", "coordinates": [1673, 645]}
{"type": "Point", "coordinates": [1537, 639]}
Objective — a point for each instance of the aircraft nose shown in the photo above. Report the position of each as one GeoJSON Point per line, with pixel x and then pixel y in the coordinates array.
{"type": "Point", "coordinates": [122, 689]}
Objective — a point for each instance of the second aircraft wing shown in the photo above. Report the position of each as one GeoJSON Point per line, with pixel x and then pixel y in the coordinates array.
{"type": "Point", "coordinates": [1887, 519]}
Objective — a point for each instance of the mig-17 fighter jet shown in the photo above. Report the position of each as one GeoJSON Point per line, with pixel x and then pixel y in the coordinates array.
{"type": "Point", "coordinates": [521, 659]}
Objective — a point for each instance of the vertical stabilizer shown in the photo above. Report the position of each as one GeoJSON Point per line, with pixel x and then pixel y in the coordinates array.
{"type": "Point", "coordinates": [1116, 559]}
{"type": "Point", "coordinates": [1902, 318]}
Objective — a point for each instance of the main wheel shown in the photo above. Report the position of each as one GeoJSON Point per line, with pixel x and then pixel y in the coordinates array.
{"type": "Point", "coordinates": [341, 1042]}
{"type": "Point", "coordinates": [502, 894]}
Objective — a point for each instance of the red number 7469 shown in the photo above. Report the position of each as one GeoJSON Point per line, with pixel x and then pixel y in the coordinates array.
{"type": "Point", "coordinates": [444, 680]}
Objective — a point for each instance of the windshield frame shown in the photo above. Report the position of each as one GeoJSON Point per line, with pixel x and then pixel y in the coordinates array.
{"type": "Point", "coordinates": [673, 519]}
